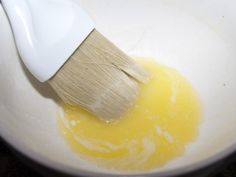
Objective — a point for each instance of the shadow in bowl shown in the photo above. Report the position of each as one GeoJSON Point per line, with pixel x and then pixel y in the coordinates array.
{"type": "Point", "coordinates": [44, 89]}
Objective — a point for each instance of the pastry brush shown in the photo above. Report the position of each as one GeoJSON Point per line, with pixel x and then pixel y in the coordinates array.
{"type": "Point", "coordinates": [59, 44]}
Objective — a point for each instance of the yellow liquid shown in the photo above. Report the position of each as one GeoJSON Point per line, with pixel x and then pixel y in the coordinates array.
{"type": "Point", "coordinates": [164, 119]}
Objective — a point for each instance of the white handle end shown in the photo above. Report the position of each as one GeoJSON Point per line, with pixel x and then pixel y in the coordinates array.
{"type": "Point", "coordinates": [47, 32]}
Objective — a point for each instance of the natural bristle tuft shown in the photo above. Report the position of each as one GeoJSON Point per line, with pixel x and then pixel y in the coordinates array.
{"type": "Point", "coordinates": [99, 77]}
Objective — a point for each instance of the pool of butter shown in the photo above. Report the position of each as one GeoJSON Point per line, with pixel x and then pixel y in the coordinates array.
{"type": "Point", "coordinates": [163, 121]}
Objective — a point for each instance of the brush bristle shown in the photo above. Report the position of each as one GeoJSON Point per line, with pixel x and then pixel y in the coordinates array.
{"type": "Point", "coordinates": [99, 77]}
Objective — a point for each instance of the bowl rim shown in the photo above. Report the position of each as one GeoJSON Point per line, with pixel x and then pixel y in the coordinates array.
{"type": "Point", "coordinates": [41, 160]}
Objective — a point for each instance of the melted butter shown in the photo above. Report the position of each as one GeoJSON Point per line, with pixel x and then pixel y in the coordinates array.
{"type": "Point", "coordinates": [164, 119]}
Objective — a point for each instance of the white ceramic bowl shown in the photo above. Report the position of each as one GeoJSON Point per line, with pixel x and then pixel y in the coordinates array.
{"type": "Point", "coordinates": [196, 37]}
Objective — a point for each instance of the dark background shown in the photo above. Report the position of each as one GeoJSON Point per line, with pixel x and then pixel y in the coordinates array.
{"type": "Point", "coordinates": [10, 166]}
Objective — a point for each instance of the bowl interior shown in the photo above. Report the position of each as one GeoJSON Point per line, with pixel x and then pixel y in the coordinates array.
{"type": "Point", "coordinates": [195, 37]}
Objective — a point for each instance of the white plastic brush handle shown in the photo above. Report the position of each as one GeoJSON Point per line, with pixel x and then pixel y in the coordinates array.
{"type": "Point", "coordinates": [47, 32]}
